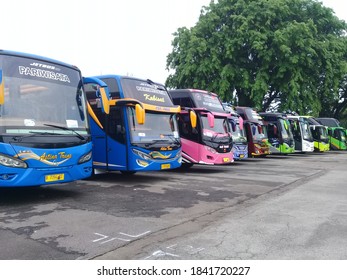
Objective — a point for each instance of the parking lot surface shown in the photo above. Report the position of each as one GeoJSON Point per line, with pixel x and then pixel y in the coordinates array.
{"type": "Point", "coordinates": [278, 207]}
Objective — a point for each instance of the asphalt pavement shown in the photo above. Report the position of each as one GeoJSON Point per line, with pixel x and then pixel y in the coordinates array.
{"type": "Point", "coordinates": [279, 207]}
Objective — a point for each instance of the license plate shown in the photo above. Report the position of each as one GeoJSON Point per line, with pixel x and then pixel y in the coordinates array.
{"type": "Point", "coordinates": [241, 156]}
{"type": "Point", "coordinates": [165, 166]}
{"type": "Point", "coordinates": [54, 177]}
{"type": "Point", "coordinates": [226, 159]}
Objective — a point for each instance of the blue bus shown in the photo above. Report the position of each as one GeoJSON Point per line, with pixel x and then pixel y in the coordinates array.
{"type": "Point", "coordinates": [44, 128]}
{"type": "Point", "coordinates": [133, 125]}
{"type": "Point", "coordinates": [240, 144]}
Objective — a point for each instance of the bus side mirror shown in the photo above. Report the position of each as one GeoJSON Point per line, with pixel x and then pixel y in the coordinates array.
{"type": "Point", "coordinates": [102, 91]}
{"type": "Point", "coordinates": [260, 129]}
{"type": "Point", "coordinates": [210, 119]}
{"type": "Point", "coordinates": [241, 123]}
{"type": "Point", "coordinates": [286, 125]}
{"type": "Point", "coordinates": [140, 114]}
{"type": "Point", "coordinates": [233, 125]}
{"type": "Point", "coordinates": [254, 129]}
{"type": "Point", "coordinates": [193, 117]}
{"type": "Point", "coordinates": [104, 100]}
{"type": "Point", "coordinates": [2, 89]}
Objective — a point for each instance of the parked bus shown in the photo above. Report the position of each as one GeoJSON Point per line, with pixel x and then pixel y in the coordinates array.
{"type": "Point", "coordinates": [337, 134]}
{"type": "Point", "coordinates": [320, 135]}
{"type": "Point", "coordinates": [258, 143]}
{"type": "Point", "coordinates": [44, 126]}
{"type": "Point", "coordinates": [302, 134]}
{"type": "Point", "coordinates": [204, 127]}
{"type": "Point", "coordinates": [279, 133]}
{"type": "Point", "coordinates": [133, 125]}
{"type": "Point", "coordinates": [240, 145]}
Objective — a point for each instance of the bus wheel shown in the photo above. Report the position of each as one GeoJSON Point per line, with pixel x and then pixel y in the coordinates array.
{"type": "Point", "coordinates": [128, 173]}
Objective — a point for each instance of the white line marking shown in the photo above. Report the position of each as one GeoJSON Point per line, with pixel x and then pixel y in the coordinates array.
{"type": "Point", "coordinates": [103, 237]}
{"type": "Point", "coordinates": [135, 236]}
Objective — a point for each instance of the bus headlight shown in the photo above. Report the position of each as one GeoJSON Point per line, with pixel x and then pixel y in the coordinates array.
{"type": "Point", "coordinates": [211, 150]}
{"type": "Point", "coordinates": [86, 157]}
{"type": "Point", "coordinates": [12, 162]}
{"type": "Point", "coordinates": [141, 154]}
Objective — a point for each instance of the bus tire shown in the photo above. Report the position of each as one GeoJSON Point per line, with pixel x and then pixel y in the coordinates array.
{"type": "Point", "coordinates": [187, 165]}
{"type": "Point", "coordinates": [127, 173]}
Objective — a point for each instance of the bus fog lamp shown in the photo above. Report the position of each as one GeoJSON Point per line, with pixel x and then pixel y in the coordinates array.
{"type": "Point", "coordinates": [142, 163]}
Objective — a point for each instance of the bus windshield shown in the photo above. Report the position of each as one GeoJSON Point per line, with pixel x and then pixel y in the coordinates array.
{"type": "Point", "coordinates": [239, 135]}
{"type": "Point", "coordinates": [305, 129]}
{"type": "Point", "coordinates": [220, 130]}
{"type": "Point", "coordinates": [285, 128]}
{"type": "Point", "coordinates": [41, 96]}
{"type": "Point", "coordinates": [258, 131]}
{"type": "Point", "coordinates": [158, 128]}
{"type": "Point", "coordinates": [323, 134]}
{"type": "Point", "coordinates": [341, 135]}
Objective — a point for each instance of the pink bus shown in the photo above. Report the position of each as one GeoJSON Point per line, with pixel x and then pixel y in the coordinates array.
{"type": "Point", "coordinates": [204, 128]}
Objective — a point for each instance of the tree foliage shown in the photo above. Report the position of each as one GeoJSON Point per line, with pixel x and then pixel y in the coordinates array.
{"type": "Point", "coordinates": [264, 53]}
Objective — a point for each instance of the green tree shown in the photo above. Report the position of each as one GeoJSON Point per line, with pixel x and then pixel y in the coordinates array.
{"type": "Point", "coordinates": [263, 53]}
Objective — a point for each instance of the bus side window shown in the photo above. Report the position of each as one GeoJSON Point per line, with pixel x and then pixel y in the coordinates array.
{"type": "Point", "coordinates": [185, 128]}
{"type": "Point", "coordinates": [337, 134]}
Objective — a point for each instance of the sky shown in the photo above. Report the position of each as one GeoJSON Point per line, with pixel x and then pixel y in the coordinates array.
{"type": "Point", "coordinates": [126, 37]}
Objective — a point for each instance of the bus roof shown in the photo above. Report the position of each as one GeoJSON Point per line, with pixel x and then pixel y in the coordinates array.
{"type": "Point", "coordinates": [193, 90]}
{"type": "Point", "coordinates": [28, 55]}
{"type": "Point", "coordinates": [330, 122]}
{"type": "Point", "coordinates": [267, 116]}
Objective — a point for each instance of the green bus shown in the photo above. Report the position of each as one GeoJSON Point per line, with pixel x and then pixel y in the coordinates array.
{"type": "Point", "coordinates": [320, 135]}
{"type": "Point", "coordinates": [337, 134]}
{"type": "Point", "coordinates": [279, 133]}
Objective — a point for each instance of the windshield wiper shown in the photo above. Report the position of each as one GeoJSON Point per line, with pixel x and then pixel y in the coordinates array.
{"type": "Point", "coordinates": [159, 87]}
{"type": "Point", "coordinates": [66, 128]}
{"type": "Point", "coordinates": [32, 134]}
{"type": "Point", "coordinates": [153, 142]}
{"type": "Point", "coordinates": [174, 139]}
{"type": "Point", "coordinates": [214, 137]}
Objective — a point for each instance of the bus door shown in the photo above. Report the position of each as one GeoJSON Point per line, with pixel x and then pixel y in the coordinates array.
{"type": "Point", "coordinates": [108, 133]}
{"type": "Point", "coordinates": [275, 137]}
{"type": "Point", "coordinates": [116, 144]}
{"type": "Point", "coordinates": [250, 138]}
{"type": "Point", "coordinates": [189, 138]}
{"type": "Point", "coordinates": [295, 126]}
